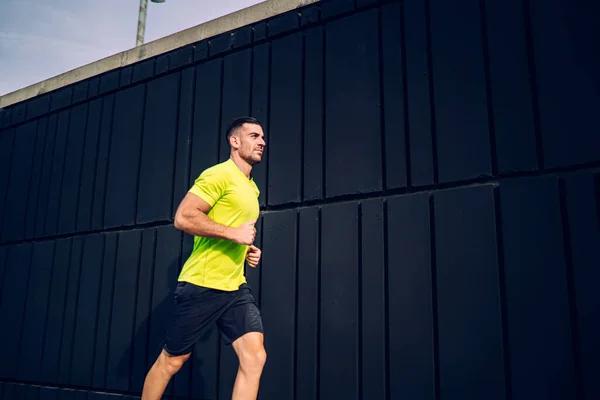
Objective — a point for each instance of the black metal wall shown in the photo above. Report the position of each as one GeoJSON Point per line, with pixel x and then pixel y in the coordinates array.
{"type": "Point", "coordinates": [431, 204]}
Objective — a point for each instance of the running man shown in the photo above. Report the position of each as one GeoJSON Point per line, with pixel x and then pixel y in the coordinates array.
{"type": "Point", "coordinates": [220, 210]}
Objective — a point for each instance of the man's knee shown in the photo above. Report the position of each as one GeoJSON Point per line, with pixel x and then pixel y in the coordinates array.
{"type": "Point", "coordinates": [169, 364]}
{"type": "Point", "coordinates": [252, 354]}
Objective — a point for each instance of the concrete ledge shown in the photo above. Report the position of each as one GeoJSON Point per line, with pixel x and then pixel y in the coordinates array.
{"type": "Point", "coordinates": [238, 19]}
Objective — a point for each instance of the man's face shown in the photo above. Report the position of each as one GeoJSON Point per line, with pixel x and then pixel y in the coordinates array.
{"type": "Point", "coordinates": [249, 142]}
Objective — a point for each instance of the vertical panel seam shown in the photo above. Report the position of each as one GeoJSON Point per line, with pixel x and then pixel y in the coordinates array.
{"type": "Point", "coordinates": [488, 87]}
{"type": "Point", "coordinates": [110, 306]}
{"type": "Point", "coordinates": [319, 272]}
{"type": "Point", "coordinates": [296, 295]}
{"type": "Point", "coordinates": [382, 105]}
{"type": "Point", "coordinates": [503, 296]}
{"type": "Point", "coordinates": [386, 300]}
{"type": "Point", "coordinates": [31, 164]}
{"type": "Point", "coordinates": [571, 291]}
{"type": "Point", "coordinates": [151, 300]}
{"type": "Point", "coordinates": [22, 322]}
{"type": "Point", "coordinates": [533, 85]}
{"type": "Point", "coordinates": [324, 115]}
{"type": "Point", "coordinates": [302, 195]}
{"type": "Point", "coordinates": [64, 308]}
{"type": "Point", "coordinates": [221, 97]}
{"type": "Point", "coordinates": [190, 145]}
{"type": "Point", "coordinates": [135, 307]}
{"type": "Point", "coordinates": [94, 340]}
{"type": "Point", "coordinates": [75, 310]}
{"type": "Point", "coordinates": [268, 116]}
{"type": "Point", "coordinates": [50, 160]}
{"type": "Point", "coordinates": [359, 353]}
{"type": "Point", "coordinates": [41, 169]}
{"type": "Point", "coordinates": [178, 129]}
{"type": "Point", "coordinates": [5, 194]}
{"type": "Point", "coordinates": [64, 162]}
{"type": "Point", "coordinates": [431, 82]}
{"type": "Point", "coordinates": [111, 125]}
{"type": "Point", "coordinates": [434, 300]}
{"type": "Point", "coordinates": [80, 172]}
{"type": "Point", "coordinates": [136, 204]}
{"type": "Point", "coordinates": [404, 66]}
{"type": "Point", "coordinates": [95, 164]}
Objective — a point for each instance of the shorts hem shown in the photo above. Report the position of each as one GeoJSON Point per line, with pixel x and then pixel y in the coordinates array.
{"type": "Point", "coordinates": [228, 341]}
{"type": "Point", "coordinates": [186, 350]}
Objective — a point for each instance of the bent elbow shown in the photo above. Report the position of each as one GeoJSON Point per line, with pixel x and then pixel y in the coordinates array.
{"type": "Point", "coordinates": [179, 222]}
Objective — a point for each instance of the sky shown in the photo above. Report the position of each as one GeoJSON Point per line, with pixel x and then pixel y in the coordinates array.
{"type": "Point", "coordinates": [40, 39]}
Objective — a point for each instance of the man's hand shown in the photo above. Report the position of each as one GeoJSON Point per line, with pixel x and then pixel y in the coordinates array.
{"type": "Point", "coordinates": [253, 256]}
{"type": "Point", "coordinates": [244, 234]}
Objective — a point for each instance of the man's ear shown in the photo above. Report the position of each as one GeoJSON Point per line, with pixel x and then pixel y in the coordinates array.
{"type": "Point", "coordinates": [234, 141]}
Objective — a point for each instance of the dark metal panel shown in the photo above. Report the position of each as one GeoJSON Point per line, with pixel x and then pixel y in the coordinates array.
{"type": "Point", "coordinates": [104, 141]}
{"type": "Point", "coordinates": [353, 117]}
{"type": "Point", "coordinates": [158, 149]}
{"type": "Point", "coordinates": [373, 305]}
{"type": "Point", "coordinates": [67, 219]}
{"type": "Point", "coordinates": [56, 308]}
{"type": "Point", "coordinates": [410, 311]}
{"type": "Point", "coordinates": [582, 198]}
{"type": "Point", "coordinates": [564, 45]}
{"type": "Point", "coordinates": [143, 70]}
{"type": "Point", "coordinates": [46, 176]}
{"type": "Point", "coordinates": [340, 299]}
{"type": "Point", "coordinates": [82, 366]}
{"type": "Point", "coordinates": [12, 307]}
{"type": "Point", "coordinates": [3, 260]}
{"type": "Point", "coordinates": [228, 366]}
{"type": "Point", "coordinates": [418, 90]}
{"type": "Point", "coordinates": [331, 8]}
{"type": "Point", "coordinates": [142, 311]}
{"type": "Point", "coordinates": [7, 139]}
{"type": "Point", "coordinates": [511, 100]}
{"type": "Point", "coordinates": [278, 306]}
{"type": "Point", "coordinates": [237, 77]}
{"type": "Point", "coordinates": [253, 275]}
{"type": "Point", "coordinates": [61, 98]}
{"type": "Point", "coordinates": [35, 178]}
{"type": "Point", "coordinates": [18, 186]}
{"type": "Point", "coordinates": [313, 114]}
{"type": "Point", "coordinates": [88, 167]}
{"type": "Point", "coordinates": [461, 117]}
{"type": "Point", "coordinates": [123, 313]}
{"type": "Point", "coordinates": [56, 174]}
{"type": "Point", "coordinates": [38, 106]}
{"type": "Point", "coordinates": [541, 360]}
{"type": "Point", "coordinates": [468, 298]}
{"type": "Point", "coordinates": [124, 161]}
{"type": "Point", "coordinates": [207, 111]}
{"type": "Point", "coordinates": [47, 393]}
{"type": "Point", "coordinates": [284, 22]}
{"type": "Point", "coordinates": [80, 91]}
{"type": "Point", "coordinates": [392, 84]}
{"type": "Point", "coordinates": [181, 179]}
{"type": "Point", "coordinates": [261, 80]}
{"type": "Point", "coordinates": [285, 126]}
{"type": "Point", "coordinates": [32, 336]}
{"type": "Point", "coordinates": [166, 270]}
{"type": "Point", "coordinates": [70, 314]}
{"type": "Point", "coordinates": [307, 320]}
{"type": "Point", "coordinates": [105, 310]}
{"type": "Point", "coordinates": [109, 81]}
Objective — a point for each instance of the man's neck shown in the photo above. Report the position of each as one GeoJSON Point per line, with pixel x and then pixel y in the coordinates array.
{"type": "Point", "coordinates": [241, 164]}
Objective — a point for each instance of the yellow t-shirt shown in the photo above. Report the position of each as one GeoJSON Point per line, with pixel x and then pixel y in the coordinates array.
{"type": "Point", "coordinates": [219, 263]}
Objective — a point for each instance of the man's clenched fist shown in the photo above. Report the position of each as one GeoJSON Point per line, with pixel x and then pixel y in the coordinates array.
{"type": "Point", "coordinates": [253, 256]}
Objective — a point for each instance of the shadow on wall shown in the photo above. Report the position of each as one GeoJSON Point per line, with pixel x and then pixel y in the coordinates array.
{"type": "Point", "coordinates": [147, 344]}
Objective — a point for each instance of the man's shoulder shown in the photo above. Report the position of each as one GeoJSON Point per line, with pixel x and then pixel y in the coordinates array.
{"type": "Point", "coordinates": [217, 169]}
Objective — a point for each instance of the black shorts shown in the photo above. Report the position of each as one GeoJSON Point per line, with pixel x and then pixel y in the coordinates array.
{"type": "Point", "coordinates": [197, 307]}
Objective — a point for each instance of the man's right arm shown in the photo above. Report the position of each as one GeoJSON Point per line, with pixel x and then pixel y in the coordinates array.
{"type": "Point", "coordinates": [191, 218]}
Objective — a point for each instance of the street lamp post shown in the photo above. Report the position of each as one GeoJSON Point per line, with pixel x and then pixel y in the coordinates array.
{"type": "Point", "coordinates": [142, 20]}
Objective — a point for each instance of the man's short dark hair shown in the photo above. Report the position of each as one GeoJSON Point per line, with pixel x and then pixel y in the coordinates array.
{"type": "Point", "coordinates": [238, 122]}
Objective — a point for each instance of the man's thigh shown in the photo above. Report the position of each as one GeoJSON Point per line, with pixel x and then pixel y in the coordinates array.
{"type": "Point", "coordinates": [241, 317]}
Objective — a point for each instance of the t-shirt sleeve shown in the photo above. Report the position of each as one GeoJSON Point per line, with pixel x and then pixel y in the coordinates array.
{"type": "Point", "coordinates": [209, 186]}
